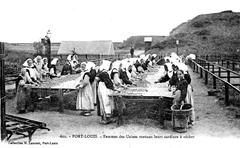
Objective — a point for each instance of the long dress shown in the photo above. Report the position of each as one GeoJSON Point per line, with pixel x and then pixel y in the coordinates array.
{"type": "Point", "coordinates": [85, 94]}
{"type": "Point", "coordinates": [190, 100]}
{"type": "Point", "coordinates": [93, 74]}
{"type": "Point", "coordinates": [105, 87]}
{"type": "Point", "coordinates": [23, 96]}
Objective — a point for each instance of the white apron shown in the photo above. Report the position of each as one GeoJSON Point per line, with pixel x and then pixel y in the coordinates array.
{"type": "Point", "coordinates": [85, 96]}
{"type": "Point", "coordinates": [106, 103]}
{"type": "Point", "coordinates": [94, 89]}
{"type": "Point", "coordinates": [190, 100]}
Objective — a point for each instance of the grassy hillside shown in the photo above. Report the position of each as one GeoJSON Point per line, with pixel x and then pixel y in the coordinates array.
{"type": "Point", "coordinates": [207, 33]}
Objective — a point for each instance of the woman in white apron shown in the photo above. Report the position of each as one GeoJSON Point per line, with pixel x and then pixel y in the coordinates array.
{"type": "Point", "coordinates": [31, 70]}
{"type": "Point", "coordinates": [105, 88]}
{"type": "Point", "coordinates": [85, 93]}
{"type": "Point", "coordinates": [92, 70]}
{"type": "Point", "coordinates": [38, 63]}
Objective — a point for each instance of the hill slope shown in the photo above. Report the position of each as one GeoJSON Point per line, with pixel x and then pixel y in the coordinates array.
{"type": "Point", "coordinates": [208, 33]}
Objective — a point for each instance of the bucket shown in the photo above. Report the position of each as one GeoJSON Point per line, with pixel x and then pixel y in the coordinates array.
{"type": "Point", "coordinates": [180, 117]}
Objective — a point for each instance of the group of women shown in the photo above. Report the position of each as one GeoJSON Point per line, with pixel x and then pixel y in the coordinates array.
{"type": "Point", "coordinates": [179, 81]}
{"type": "Point", "coordinates": [101, 80]}
{"type": "Point", "coordinates": [33, 72]}
{"type": "Point", "coordinates": [108, 76]}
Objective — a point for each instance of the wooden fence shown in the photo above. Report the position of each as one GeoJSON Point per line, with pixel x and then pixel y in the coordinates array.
{"type": "Point", "coordinates": [212, 72]}
{"type": "Point", "coordinates": [227, 61]}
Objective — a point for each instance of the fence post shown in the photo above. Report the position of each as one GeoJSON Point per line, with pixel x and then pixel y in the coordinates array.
{"type": "Point", "coordinates": [196, 69]}
{"type": "Point", "coordinates": [227, 64]}
{"type": "Point", "coordinates": [226, 94]}
{"type": "Point", "coordinates": [208, 66]}
{"type": "Point", "coordinates": [219, 72]}
{"type": "Point", "coordinates": [214, 82]}
{"type": "Point", "coordinates": [194, 65]}
{"type": "Point", "coordinates": [233, 65]}
{"type": "Point", "coordinates": [201, 72]}
{"type": "Point", "coordinates": [206, 77]}
{"type": "Point", "coordinates": [228, 76]}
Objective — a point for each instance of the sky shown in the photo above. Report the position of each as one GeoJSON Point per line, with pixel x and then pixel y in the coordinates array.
{"type": "Point", "coordinates": [27, 21]}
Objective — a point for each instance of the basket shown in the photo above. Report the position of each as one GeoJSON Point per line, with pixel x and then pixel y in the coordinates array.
{"type": "Point", "coordinates": [180, 117]}
{"type": "Point", "coordinates": [185, 109]}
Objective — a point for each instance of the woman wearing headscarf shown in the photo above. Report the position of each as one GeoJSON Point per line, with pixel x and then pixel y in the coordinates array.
{"type": "Point", "coordinates": [189, 97]}
{"type": "Point", "coordinates": [31, 70]}
{"type": "Point", "coordinates": [23, 93]}
{"type": "Point", "coordinates": [93, 73]}
{"type": "Point", "coordinates": [153, 59]}
{"type": "Point", "coordinates": [181, 89]}
{"type": "Point", "coordinates": [67, 68]}
{"type": "Point", "coordinates": [45, 65]}
{"type": "Point", "coordinates": [105, 87]}
{"type": "Point", "coordinates": [124, 75]}
{"type": "Point", "coordinates": [173, 78]}
{"type": "Point", "coordinates": [85, 93]}
{"type": "Point", "coordinates": [38, 63]}
{"type": "Point", "coordinates": [165, 77]}
{"type": "Point", "coordinates": [53, 70]}
{"type": "Point", "coordinates": [45, 68]}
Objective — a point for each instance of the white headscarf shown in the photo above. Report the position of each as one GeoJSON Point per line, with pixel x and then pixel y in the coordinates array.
{"type": "Point", "coordinates": [182, 67]}
{"type": "Point", "coordinates": [44, 59]}
{"type": "Point", "coordinates": [125, 65]}
{"type": "Point", "coordinates": [69, 57]}
{"type": "Point", "coordinates": [105, 65]}
{"type": "Point", "coordinates": [146, 57]}
{"type": "Point", "coordinates": [36, 59]}
{"type": "Point", "coordinates": [90, 65]}
{"type": "Point", "coordinates": [191, 56]}
{"type": "Point", "coordinates": [25, 64]}
{"type": "Point", "coordinates": [116, 64]}
{"type": "Point", "coordinates": [54, 61]}
{"type": "Point", "coordinates": [154, 55]}
{"type": "Point", "coordinates": [142, 56]}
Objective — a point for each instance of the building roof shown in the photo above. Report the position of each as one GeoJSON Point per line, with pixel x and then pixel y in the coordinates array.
{"type": "Point", "coordinates": [86, 47]}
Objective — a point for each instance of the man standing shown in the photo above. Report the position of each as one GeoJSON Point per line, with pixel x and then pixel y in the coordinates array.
{"type": "Point", "coordinates": [132, 51]}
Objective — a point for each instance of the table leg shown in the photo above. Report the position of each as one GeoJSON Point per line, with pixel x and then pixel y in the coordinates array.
{"type": "Point", "coordinates": [119, 107]}
{"type": "Point", "coordinates": [60, 100]}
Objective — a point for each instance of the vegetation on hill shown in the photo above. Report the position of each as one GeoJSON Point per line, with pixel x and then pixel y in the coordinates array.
{"type": "Point", "coordinates": [207, 33]}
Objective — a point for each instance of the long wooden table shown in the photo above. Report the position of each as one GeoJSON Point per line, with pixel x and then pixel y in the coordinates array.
{"type": "Point", "coordinates": [56, 86]}
{"type": "Point", "coordinates": [151, 99]}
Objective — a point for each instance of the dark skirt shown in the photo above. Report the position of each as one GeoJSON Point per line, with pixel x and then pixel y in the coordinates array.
{"type": "Point", "coordinates": [25, 99]}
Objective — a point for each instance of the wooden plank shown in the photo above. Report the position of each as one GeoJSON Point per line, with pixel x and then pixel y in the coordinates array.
{"type": "Point", "coordinates": [2, 93]}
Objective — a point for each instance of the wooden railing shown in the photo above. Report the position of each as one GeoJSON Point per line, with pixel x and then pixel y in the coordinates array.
{"type": "Point", "coordinates": [226, 61]}
{"type": "Point", "coordinates": [207, 69]}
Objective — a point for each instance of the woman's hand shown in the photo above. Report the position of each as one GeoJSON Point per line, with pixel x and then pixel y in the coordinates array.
{"type": "Point", "coordinates": [79, 86]}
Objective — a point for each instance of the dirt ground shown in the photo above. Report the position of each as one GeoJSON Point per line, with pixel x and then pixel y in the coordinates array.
{"type": "Point", "coordinates": [213, 119]}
